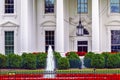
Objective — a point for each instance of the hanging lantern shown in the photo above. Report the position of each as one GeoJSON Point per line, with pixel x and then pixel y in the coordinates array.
{"type": "Point", "coordinates": [80, 29]}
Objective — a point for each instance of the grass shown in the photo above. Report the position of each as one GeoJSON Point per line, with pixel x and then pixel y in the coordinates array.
{"type": "Point", "coordinates": [41, 71]}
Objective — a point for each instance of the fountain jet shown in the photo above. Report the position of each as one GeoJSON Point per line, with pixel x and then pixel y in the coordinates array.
{"type": "Point", "coordinates": [50, 66]}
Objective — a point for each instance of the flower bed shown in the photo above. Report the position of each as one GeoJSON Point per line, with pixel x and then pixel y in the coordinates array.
{"type": "Point", "coordinates": [62, 77]}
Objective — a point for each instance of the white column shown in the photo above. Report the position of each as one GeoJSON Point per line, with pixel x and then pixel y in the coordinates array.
{"type": "Point", "coordinates": [60, 26]}
{"type": "Point", "coordinates": [24, 26]}
{"type": "Point", "coordinates": [28, 27]}
{"type": "Point", "coordinates": [95, 26]}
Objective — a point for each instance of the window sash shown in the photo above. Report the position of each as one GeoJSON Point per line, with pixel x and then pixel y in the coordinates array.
{"type": "Point", "coordinates": [49, 6]}
{"type": "Point", "coordinates": [9, 6]}
{"type": "Point", "coordinates": [49, 40]}
{"type": "Point", "coordinates": [115, 6]}
{"type": "Point", "coordinates": [9, 42]}
{"type": "Point", "coordinates": [82, 6]}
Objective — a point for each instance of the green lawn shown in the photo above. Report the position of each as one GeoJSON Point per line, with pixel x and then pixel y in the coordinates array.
{"type": "Point", "coordinates": [40, 71]}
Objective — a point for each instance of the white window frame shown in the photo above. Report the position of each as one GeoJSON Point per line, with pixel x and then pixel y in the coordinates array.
{"type": "Point", "coordinates": [48, 14]}
{"type": "Point", "coordinates": [109, 9]}
{"type": "Point", "coordinates": [109, 28]}
{"type": "Point", "coordinates": [2, 38]}
{"type": "Point", "coordinates": [9, 14]}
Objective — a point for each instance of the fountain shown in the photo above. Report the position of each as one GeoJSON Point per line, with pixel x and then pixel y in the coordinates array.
{"type": "Point", "coordinates": [50, 67]}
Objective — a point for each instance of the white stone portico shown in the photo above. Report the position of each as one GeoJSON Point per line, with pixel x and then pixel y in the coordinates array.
{"type": "Point", "coordinates": [29, 23]}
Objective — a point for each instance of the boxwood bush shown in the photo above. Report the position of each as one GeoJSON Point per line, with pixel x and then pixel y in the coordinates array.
{"type": "Point", "coordinates": [113, 61]}
{"type": "Point", "coordinates": [41, 60]}
{"type": "Point", "coordinates": [28, 61]}
{"type": "Point", "coordinates": [75, 63]}
{"type": "Point", "coordinates": [72, 55]}
{"type": "Point", "coordinates": [3, 61]}
{"type": "Point", "coordinates": [13, 61]}
{"type": "Point", "coordinates": [98, 61]}
{"type": "Point", "coordinates": [105, 55]}
{"type": "Point", "coordinates": [74, 60]}
{"type": "Point", "coordinates": [56, 56]}
{"type": "Point", "coordinates": [63, 63]}
{"type": "Point", "coordinates": [87, 59]}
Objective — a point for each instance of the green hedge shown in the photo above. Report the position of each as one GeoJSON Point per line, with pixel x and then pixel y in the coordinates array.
{"type": "Point", "coordinates": [105, 55]}
{"type": "Point", "coordinates": [113, 61]}
{"type": "Point", "coordinates": [63, 63]}
{"type": "Point", "coordinates": [75, 63]}
{"type": "Point", "coordinates": [72, 55]}
{"type": "Point", "coordinates": [56, 56]}
{"type": "Point", "coordinates": [74, 60]}
{"type": "Point", "coordinates": [98, 61]}
{"type": "Point", "coordinates": [41, 60]}
{"type": "Point", "coordinates": [13, 61]}
{"type": "Point", "coordinates": [3, 61]}
{"type": "Point", "coordinates": [87, 59]}
{"type": "Point", "coordinates": [28, 61]}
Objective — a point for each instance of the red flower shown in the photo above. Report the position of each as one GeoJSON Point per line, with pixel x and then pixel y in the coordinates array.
{"type": "Point", "coordinates": [81, 53]}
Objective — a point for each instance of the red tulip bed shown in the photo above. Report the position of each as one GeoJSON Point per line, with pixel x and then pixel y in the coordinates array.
{"type": "Point", "coordinates": [61, 77]}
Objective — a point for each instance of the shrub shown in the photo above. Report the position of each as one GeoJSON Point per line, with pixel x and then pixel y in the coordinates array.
{"type": "Point", "coordinates": [74, 60]}
{"type": "Point", "coordinates": [41, 60]}
{"type": "Point", "coordinates": [87, 59]}
{"type": "Point", "coordinates": [3, 61]}
{"type": "Point", "coordinates": [113, 61]}
{"type": "Point", "coordinates": [56, 56]}
{"type": "Point", "coordinates": [63, 63]}
{"type": "Point", "coordinates": [98, 61]}
{"type": "Point", "coordinates": [28, 61]}
{"type": "Point", "coordinates": [105, 55]}
{"type": "Point", "coordinates": [75, 63]}
{"type": "Point", "coordinates": [72, 55]}
{"type": "Point", "coordinates": [13, 61]}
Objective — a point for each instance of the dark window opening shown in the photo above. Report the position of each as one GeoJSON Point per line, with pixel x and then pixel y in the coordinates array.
{"type": "Point", "coordinates": [49, 40]}
{"type": "Point", "coordinates": [82, 46]}
{"type": "Point", "coordinates": [9, 6]}
{"type": "Point", "coordinates": [9, 42]}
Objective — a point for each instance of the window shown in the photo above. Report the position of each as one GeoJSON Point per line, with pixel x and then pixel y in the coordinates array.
{"type": "Point", "coordinates": [115, 6]}
{"type": "Point", "coordinates": [9, 42]}
{"type": "Point", "coordinates": [49, 6]}
{"type": "Point", "coordinates": [9, 6]}
{"type": "Point", "coordinates": [49, 40]}
{"type": "Point", "coordinates": [82, 6]}
{"type": "Point", "coordinates": [82, 46]}
{"type": "Point", "coordinates": [115, 40]}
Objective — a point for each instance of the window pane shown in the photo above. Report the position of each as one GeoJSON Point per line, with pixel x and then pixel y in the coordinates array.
{"type": "Point", "coordinates": [49, 6]}
{"type": "Point", "coordinates": [82, 6]}
{"type": "Point", "coordinates": [115, 8]}
{"type": "Point", "coordinates": [49, 39]}
{"type": "Point", "coordinates": [82, 46]}
{"type": "Point", "coordinates": [115, 40]}
{"type": "Point", "coordinates": [9, 42]}
{"type": "Point", "coordinates": [114, 1]}
{"type": "Point", "coordinates": [9, 6]}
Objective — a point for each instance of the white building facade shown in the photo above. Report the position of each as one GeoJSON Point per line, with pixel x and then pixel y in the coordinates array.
{"type": "Point", "coordinates": [32, 25]}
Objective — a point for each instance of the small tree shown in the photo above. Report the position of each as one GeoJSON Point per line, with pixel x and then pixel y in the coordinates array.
{"type": "Point", "coordinates": [74, 60]}
{"type": "Point", "coordinates": [41, 60]}
{"type": "Point", "coordinates": [98, 61]}
{"type": "Point", "coordinates": [113, 61]}
{"type": "Point", "coordinates": [13, 61]}
{"type": "Point", "coordinates": [28, 61]}
{"type": "Point", "coordinates": [57, 56]}
{"type": "Point", "coordinates": [87, 59]}
{"type": "Point", "coordinates": [63, 63]}
{"type": "Point", "coordinates": [3, 61]}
